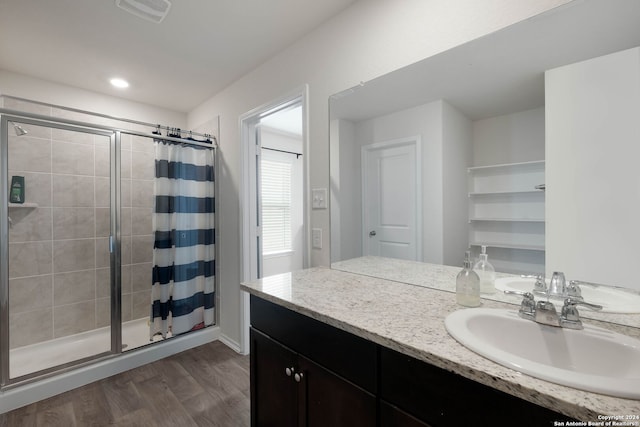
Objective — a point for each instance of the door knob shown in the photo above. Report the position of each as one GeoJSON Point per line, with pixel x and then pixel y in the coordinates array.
{"type": "Point", "coordinates": [289, 371]}
{"type": "Point", "coordinates": [372, 233]}
{"type": "Point", "coordinates": [298, 377]}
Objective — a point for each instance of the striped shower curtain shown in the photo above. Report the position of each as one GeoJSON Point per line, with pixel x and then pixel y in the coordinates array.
{"type": "Point", "coordinates": [184, 249]}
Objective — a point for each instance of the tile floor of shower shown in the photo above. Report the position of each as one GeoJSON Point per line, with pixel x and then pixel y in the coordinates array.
{"type": "Point", "coordinates": [44, 355]}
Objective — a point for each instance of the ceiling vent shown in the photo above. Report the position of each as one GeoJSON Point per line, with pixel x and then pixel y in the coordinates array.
{"type": "Point", "coordinates": [151, 10]}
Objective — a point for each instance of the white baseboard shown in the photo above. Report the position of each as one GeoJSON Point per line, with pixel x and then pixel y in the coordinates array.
{"type": "Point", "coordinates": [232, 344]}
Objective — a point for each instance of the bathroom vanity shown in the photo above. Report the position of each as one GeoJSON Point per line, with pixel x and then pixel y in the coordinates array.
{"type": "Point", "coordinates": [335, 348]}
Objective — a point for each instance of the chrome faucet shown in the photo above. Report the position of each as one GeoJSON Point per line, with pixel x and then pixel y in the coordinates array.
{"type": "Point", "coordinates": [558, 286]}
{"type": "Point", "coordinates": [545, 313]}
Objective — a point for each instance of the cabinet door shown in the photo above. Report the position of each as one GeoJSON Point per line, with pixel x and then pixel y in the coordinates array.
{"type": "Point", "coordinates": [274, 393]}
{"type": "Point", "coordinates": [391, 416]}
{"type": "Point", "coordinates": [329, 400]}
{"type": "Point", "coordinates": [441, 398]}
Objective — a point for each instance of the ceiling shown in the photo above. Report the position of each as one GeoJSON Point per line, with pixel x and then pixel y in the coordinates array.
{"type": "Point", "coordinates": [196, 51]}
{"type": "Point", "coordinates": [289, 121]}
{"type": "Point", "coordinates": [502, 72]}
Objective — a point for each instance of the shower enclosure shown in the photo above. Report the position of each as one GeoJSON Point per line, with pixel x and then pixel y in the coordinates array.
{"type": "Point", "coordinates": [76, 252]}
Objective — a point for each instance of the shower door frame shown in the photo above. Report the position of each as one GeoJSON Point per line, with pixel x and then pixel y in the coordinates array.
{"type": "Point", "coordinates": [6, 116]}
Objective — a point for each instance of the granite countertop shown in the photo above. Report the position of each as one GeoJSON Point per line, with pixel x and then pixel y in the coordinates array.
{"type": "Point", "coordinates": [410, 319]}
{"type": "Point", "coordinates": [422, 274]}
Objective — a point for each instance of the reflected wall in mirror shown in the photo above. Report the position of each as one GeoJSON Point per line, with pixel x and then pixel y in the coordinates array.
{"type": "Point", "coordinates": [477, 119]}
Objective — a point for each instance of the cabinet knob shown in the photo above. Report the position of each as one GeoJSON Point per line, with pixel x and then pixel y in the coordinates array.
{"type": "Point", "coordinates": [298, 377]}
{"type": "Point", "coordinates": [289, 371]}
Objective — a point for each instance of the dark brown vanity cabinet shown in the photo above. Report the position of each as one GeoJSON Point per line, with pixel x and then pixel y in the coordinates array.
{"type": "Point", "coordinates": [392, 416]}
{"type": "Point", "coordinates": [307, 373]}
{"type": "Point", "coordinates": [440, 398]}
{"type": "Point", "coordinates": [324, 389]}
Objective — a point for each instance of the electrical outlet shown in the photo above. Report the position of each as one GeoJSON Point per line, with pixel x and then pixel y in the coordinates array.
{"type": "Point", "coordinates": [319, 198]}
{"type": "Point", "coordinates": [316, 238]}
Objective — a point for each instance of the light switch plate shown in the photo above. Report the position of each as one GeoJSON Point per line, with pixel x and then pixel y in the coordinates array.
{"type": "Point", "coordinates": [319, 198]}
{"type": "Point", "coordinates": [316, 238]}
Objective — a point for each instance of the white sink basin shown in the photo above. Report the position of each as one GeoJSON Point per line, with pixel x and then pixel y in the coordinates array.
{"type": "Point", "coordinates": [612, 300]}
{"type": "Point", "coordinates": [592, 359]}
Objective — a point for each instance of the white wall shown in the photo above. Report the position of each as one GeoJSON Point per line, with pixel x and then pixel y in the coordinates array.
{"type": "Point", "coordinates": [367, 40]}
{"type": "Point", "coordinates": [346, 202]}
{"type": "Point", "coordinates": [511, 138]}
{"type": "Point", "coordinates": [593, 190]}
{"type": "Point", "coordinates": [457, 157]}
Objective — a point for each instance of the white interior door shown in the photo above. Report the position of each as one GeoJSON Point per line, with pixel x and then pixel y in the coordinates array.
{"type": "Point", "coordinates": [391, 199]}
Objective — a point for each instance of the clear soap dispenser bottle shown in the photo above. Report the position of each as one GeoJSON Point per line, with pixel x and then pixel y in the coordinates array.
{"type": "Point", "coordinates": [486, 272]}
{"type": "Point", "coordinates": [468, 285]}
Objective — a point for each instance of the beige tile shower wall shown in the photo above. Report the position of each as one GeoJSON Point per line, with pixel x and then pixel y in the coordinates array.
{"type": "Point", "coordinates": [59, 273]}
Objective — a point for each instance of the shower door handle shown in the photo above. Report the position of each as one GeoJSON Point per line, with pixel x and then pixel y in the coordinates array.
{"type": "Point", "coordinates": [112, 244]}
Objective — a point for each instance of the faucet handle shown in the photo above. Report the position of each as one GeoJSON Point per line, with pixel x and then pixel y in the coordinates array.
{"type": "Point", "coordinates": [574, 291]}
{"type": "Point", "coordinates": [570, 317]}
{"type": "Point", "coordinates": [540, 286]}
{"type": "Point", "coordinates": [574, 302]}
{"type": "Point", "coordinates": [583, 282]}
{"type": "Point", "coordinates": [512, 292]}
{"type": "Point", "coordinates": [528, 304]}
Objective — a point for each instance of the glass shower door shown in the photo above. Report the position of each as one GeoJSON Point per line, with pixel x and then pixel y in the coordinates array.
{"type": "Point", "coordinates": [59, 284]}
{"type": "Point", "coordinates": [137, 174]}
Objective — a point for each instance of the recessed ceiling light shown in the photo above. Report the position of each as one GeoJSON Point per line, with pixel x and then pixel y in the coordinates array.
{"type": "Point", "coordinates": [151, 10]}
{"type": "Point", "coordinates": [119, 83]}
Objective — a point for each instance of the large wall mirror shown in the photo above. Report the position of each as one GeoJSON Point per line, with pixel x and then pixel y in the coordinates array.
{"type": "Point", "coordinates": [525, 140]}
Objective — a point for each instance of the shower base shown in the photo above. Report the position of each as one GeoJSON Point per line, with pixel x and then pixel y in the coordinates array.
{"type": "Point", "coordinates": [36, 357]}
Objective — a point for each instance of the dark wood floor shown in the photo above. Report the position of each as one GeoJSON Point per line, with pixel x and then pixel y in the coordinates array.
{"type": "Point", "coordinates": [204, 386]}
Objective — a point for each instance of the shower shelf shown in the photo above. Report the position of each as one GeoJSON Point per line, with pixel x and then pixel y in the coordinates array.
{"type": "Point", "coordinates": [23, 205]}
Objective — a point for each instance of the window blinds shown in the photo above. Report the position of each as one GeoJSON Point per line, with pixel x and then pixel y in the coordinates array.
{"type": "Point", "coordinates": [276, 204]}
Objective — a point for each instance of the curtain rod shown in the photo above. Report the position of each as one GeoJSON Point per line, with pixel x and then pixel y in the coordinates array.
{"type": "Point", "coordinates": [283, 151]}
{"type": "Point", "coordinates": [106, 116]}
